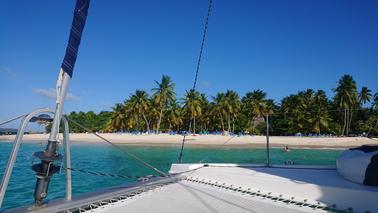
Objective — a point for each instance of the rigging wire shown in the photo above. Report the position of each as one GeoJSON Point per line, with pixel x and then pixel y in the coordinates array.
{"type": "Point", "coordinates": [119, 148]}
{"type": "Point", "coordinates": [220, 146]}
{"type": "Point", "coordinates": [202, 44]}
{"type": "Point", "coordinates": [197, 71]}
{"type": "Point", "coordinates": [13, 119]}
{"type": "Point", "coordinates": [107, 174]}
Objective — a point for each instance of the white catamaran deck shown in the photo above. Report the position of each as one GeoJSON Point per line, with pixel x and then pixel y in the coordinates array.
{"type": "Point", "coordinates": [233, 188]}
{"type": "Point", "coordinates": [188, 197]}
{"type": "Point", "coordinates": [229, 188]}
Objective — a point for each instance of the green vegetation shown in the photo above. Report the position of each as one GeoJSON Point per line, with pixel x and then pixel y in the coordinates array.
{"type": "Point", "coordinates": [95, 122]}
{"type": "Point", "coordinates": [307, 112]}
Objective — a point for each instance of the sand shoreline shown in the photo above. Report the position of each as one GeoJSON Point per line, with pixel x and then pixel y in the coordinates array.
{"type": "Point", "coordinates": [208, 141]}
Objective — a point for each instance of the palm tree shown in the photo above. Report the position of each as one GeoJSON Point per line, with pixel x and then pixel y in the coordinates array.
{"type": "Point", "coordinates": [174, 116]}
{"type": "Point", "coordinates": [205, 118]}
{"type": "Point", "coordinates": [153, 114]}
{"type": "Point", "coordinates": [346, 98]}
{"type": "Point", "coordinates": [296, 109]}
{"type": "Point", "coordinates": [319, 114]}
{"type": "Point", "coordinates": [163, 96]}
{"type": "Point", "coordinates": [118, 118]}
{"type": "Point", "coordinates": [255, 101]}
{"type": "Point", "coordinates": [232, 107]}
{"type": "Point", "coordinates": [307, 106]}
{"type": "Point", "coordinates": [375, 101]}
{"type": "Point", "coordinates": [365, 95]}
{"type": "Point", "coordinates": [256, 105]}
{"type": "Point", "coordinates": [101, 120]}
{"type": "Point", "coordinates": [192, 106]}
{"type": "Point", "coordinates": [290, 110]}
{"type": "Point", "coordinates": [141, 104]}
{"type": "Point", "coordinates": [219, 108]}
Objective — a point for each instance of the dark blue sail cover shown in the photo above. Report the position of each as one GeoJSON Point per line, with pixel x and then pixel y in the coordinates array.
{"type": "Point", "coordinates": [371, 174]}
{"type": "Point", "coordinates": [80, 16]}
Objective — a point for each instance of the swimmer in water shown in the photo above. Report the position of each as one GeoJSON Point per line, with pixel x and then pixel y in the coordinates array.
{"type": "Point", "coordinates": [286, 149]}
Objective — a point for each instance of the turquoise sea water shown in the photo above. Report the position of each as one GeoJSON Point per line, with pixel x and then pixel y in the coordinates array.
{"type": "Point", "coordinates": [107, 159]}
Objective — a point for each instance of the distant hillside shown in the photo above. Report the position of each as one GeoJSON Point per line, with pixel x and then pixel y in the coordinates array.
{"type": "Point", "coordinates": [8, 131]}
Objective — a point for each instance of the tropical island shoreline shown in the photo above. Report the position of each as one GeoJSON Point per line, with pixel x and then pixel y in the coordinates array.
{"type": "Point", "coordinates": [208, 140]}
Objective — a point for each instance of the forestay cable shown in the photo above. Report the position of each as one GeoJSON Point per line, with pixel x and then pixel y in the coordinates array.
{"type": "Point", "coordinates": [13, 119]}
{"type": "Point", "coordinates": [109, 174]}
{"type": "Point", "coordinates": [202, 44]}
{"type": "Point", "coordinates": [197, 70]}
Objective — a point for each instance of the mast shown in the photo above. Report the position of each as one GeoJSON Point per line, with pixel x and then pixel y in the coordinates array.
{"type": "Point", "coordinates": [46, 168]}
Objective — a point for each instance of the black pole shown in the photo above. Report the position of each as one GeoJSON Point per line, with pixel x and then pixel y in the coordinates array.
{"type": "Point", "coordinates": [267, 141]}
{"type": "Point", "coordinates": [182, 149]}
{"type": "Point", "coordinates": [183, 141]}
{"type": "Point", "coordinates": [45, 170]}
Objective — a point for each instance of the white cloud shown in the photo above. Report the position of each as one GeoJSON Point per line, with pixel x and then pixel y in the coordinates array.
{"type": "Point", "coordinates": [51, 94]}
{"type": "Point", "coordinates": [6, 71]}
{"type": "Point", "coordinates": [47, 93]}
{"type": "Point", "coordinates": [205, 84]}
{"type": "Point", "coordinates": [72, 97]}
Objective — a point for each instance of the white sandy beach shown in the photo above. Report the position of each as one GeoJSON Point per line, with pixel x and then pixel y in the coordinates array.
{"type": "Point", "coordinates": [209, 140]}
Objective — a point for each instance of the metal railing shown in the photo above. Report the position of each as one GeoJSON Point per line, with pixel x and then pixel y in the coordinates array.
{"type": "Point", "coordinates": [16, 145]}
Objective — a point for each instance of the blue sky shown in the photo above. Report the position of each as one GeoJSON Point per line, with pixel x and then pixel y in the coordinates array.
{"type": "Point", "coordinates": [280, 46]}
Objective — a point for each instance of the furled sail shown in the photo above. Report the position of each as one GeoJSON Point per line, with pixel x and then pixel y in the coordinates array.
{"type": "Point", "coordinates": [80, 16]}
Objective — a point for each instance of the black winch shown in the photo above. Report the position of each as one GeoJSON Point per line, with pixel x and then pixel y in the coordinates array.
{"type": "Point", "coordinates": [45, 169]}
